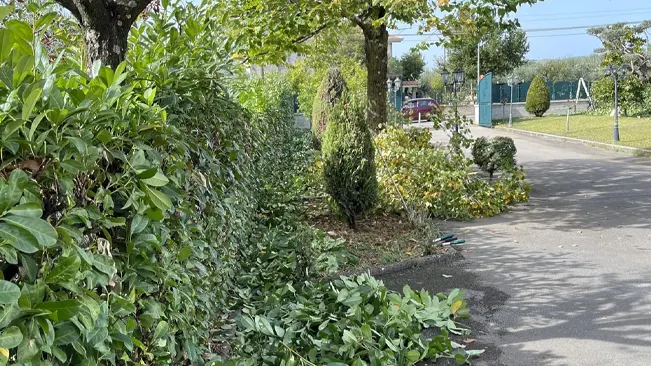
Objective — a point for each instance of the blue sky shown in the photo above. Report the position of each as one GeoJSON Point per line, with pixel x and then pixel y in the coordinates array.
{"type": "Point", "coordinates": [555, 14]}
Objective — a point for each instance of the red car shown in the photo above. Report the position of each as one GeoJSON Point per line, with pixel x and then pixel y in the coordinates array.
{"type": "Point", "coordinates": [423, 106]}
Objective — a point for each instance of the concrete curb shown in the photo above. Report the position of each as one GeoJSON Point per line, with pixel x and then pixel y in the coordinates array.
{"type": "Point", "coordinates": [449, 256]}
{"type": "Point", "coordinates": [548, 136]}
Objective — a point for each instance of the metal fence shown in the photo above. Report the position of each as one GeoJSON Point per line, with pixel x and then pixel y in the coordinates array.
{"type": "Point", "coordinates": [561, 90]}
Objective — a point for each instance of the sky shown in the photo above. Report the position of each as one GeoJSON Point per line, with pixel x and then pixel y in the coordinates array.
{"type": "Point", "coordinates": [553, 14]}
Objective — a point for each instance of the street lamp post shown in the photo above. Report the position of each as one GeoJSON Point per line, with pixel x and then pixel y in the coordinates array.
{"type": "Point", "coordinates": [397, 84]}
{"type": "Point", "coordinates": [616, 73]}
{"type": "Point", "coordinates": [457, 79]}
{"type": "Point", "coordinates": [511, 83]}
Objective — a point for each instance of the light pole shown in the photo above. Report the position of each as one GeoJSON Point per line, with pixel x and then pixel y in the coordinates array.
{"type": "Point", "coordinates": [397, 83]}
{"type": "Point", "coordinates": [511, 83]}
{"type": "Point", "coordinates": [457, 79]}
{"type": "Point", "coordinates": [616, 73]}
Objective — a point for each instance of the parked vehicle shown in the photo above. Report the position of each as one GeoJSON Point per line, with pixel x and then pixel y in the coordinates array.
{"type": "Point", "coordinates": [424, 107]}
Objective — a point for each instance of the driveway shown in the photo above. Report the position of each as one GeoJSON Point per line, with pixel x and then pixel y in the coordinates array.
{"type": "Point", "coordinates": [566, 278]}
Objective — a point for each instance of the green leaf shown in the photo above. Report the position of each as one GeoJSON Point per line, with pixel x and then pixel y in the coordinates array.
{"type": "Point", "coordinates": [19, 238]}
{"type": "Point", "coordinates": [40, 229]}
{"type": "Point", "coordinates": [265, 326]}
{"type": "Point", "coordinates": [80, 144]}
{"type": "Point", "coordinates": [158, 180]}
{"type": "Point", "coordinates": [159, 199]}
{"type": "Point", "coordinates": [161, 330]}
{"type": "Point", "coordinates": [30, 267]}
{"type": "Point", "coordinates": [155, 214]}
{"type": "Point", "coordinates": [65, 269]}
{"type": "Point", "coordinates": [146, 173]}
{"type": "Point", "coordinates": [9, 314]}
{"type": "Point", "coordinates": [30, 102]}
{"type": "Point", "coordinates": [29, 209]}
{"type": "Point", "coordinates": [45, 20]}
{"type": "Point", "coordinates": [184, 253]}
{"type": "Point", "coordinates": [65, 309]}
{"type": "Point", "coordinates": [66, 333]}
{"type": "Point", "coordinates": [9, 292]}
{"type": "Point", "coordinates": [5, 10]}
{"type": "Point", "coordinates": [138, 224]}
{"type": "Point", "coordinates": [104, 136]}
{"type": "Point", "coordinates": [413, 355]}
{"type": "Point", "coordinates": [12, 127]}
{"type": "Point", "coordinates": [11, 192]}
{"type": "Point", "coordinates": [9, 254]}
{"type": "Point", "coordinates": [348, 337]}
{"type": "Point", "coordinates": [11, 337]}
{"type": "Point", "coordinates": [59, 354]}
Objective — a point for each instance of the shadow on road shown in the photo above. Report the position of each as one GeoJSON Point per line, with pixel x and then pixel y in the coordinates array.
{"type": "Point", "coordinates": [584, 194]}
{"type": "Point", "coordinates": [555, 299]}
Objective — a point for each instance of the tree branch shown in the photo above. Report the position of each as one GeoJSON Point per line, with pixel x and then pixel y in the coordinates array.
{"type": "Point", "coordinates": [71, 7]}
{"type": "Point", "coordinates": [306, 37]}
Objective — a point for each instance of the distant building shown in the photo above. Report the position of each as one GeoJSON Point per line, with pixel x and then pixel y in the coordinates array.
{"type": "Point", "coordinates": [393, 39]}
{"type": "Point", "coordinates": [262, 70]}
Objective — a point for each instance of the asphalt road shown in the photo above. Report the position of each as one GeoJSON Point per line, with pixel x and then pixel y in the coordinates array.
{"type": "Point", "coordinates": [566, 278]}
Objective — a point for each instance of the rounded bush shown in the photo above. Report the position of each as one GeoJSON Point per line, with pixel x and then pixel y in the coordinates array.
{"type": "Point", "coordinates": [538, 100]}
{"type": "Point", "coordinates": [330, 91]}
{"type": "Point", "coordinates": [349, 161]}
{"type": "Point", "coordinates": [493, 155]}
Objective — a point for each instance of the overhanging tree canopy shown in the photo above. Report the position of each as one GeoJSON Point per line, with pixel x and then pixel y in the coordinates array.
{"type": "Point", "coordinates": [501, 52]}
{"type": "Point", "coordinates": [270, 29]}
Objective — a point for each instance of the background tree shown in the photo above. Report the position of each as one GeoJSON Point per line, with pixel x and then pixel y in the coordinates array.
{"type": "Point", "coordinates": [412, 64]}
{"type": "Point", "coordinates": [268, 30]}
{"type": "Point", "coordinates": [563, 69]}
{"type": "Point", "coordinates": [432, 83]}
{"type": "Point", "coordinates": [501, 52]}
{"type": "Point", "coordinates": [626, 45]}
{"type": "Point", "coordinates": [394, 67]}
{"type": "Point", "coordinates": [335, 47]}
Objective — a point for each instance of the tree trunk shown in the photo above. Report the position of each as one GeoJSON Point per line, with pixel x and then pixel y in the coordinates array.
{"type": "Point", "coordinates": [376, 44]}
{"type": "Point", "coordinates": [106, 25]}
{"type": "Point", "coordinates": [106, 42]}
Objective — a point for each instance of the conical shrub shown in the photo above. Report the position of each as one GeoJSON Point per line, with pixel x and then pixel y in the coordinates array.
{"type": "Point", "coordinates": [537, 97]}
{"type": "Point", "coordinates": [349, 161]}
{"type": "Point", "coordinates": [330, 91]}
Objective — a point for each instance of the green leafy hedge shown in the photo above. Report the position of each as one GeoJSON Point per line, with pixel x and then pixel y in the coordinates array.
{"type": "Point", "coordinates": [438, 181]}
{"type": "Point", "coordinates": [146, 216]}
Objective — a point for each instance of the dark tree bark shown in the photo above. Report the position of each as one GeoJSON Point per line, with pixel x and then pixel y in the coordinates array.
{"type": "Point", "coordinates": [106, 25]}
{"type": "Point", "coordinates": [376, 43]}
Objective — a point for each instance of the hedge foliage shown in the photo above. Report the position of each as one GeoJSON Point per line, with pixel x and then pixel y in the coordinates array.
{"type": "Point", "coordinates": [148, 214]}
{"type": "Point", "coordinates": [332, 87]}
{"type": "Point", "coordinates": [348, 161]}
{"type": "Point", "coordinates": [538, 99]}
{"type": "Point", "coordinates": [439, 181]}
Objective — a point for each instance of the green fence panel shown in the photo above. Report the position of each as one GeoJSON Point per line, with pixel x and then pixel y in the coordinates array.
{"type": "Point", "coordinates": [561, 90]}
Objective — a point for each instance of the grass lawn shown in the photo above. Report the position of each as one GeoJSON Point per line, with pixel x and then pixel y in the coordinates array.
{"type": "Point", "coordinates": [633, 132]}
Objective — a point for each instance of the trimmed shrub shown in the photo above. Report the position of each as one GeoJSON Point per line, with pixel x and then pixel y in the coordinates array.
{"type": "Point", "coordinates": [349, 161]}
{"type": "Point", "coordinates": [493, 155]}
{"type": "Point", "coordinates": [537, 97]}
{"type": "Point", "coordinates": [439, 182]}
{"type": "Point", "coordinates": [330, 91]}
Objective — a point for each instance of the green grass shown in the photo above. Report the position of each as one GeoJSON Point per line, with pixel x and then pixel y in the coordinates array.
{"type": "Point", "coordinates": [633, 132]}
